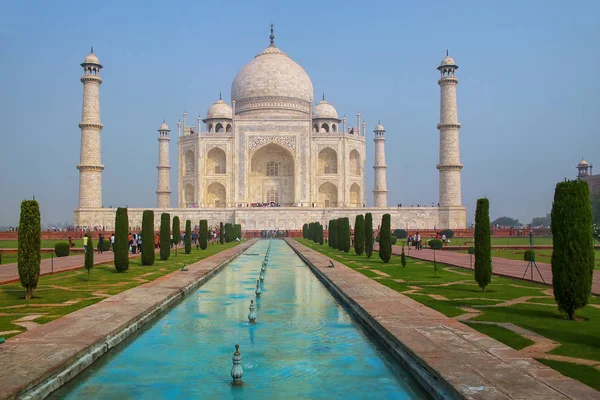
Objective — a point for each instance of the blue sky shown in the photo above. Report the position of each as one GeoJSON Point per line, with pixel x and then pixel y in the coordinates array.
{"type": "Point", "coordinates": [528, 91]}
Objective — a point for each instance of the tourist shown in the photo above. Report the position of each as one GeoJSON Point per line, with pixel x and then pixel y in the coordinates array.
{"type": "Point", "coordinates": [139, 242]}
{"type": "Point", "coordinates": [85, 242]}
{"type": "Point", "coordinates": [133, 243]}
{"type": "Point", "coordinates": [112, 242]}
{"type": "Point", "coordinates": [444, 238]}
{"type": "Point", "coordinates": [100, 243]}
{"type": "Point", "coordinates": [71, 244]}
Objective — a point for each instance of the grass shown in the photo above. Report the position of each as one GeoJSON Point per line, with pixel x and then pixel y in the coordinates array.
{"type": "Point", "coordinates": [583, 373]}
{"type": "Point", "coordinates": [65, 292]}
{"type": "Point", "coordinates": [541, 256]}
{"type": "Point", "coordinates": [13, 244]}
{"type": "Point", "coordinates": [577, 338]}
{"type": "Point", "coordinates": [498, 241]}
{"type": "Point", "coordinates": [503, 335]}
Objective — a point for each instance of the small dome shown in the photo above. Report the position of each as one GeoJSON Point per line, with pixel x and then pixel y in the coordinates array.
{"type": "Point", "coordinates": [583, 163]}
{"type": "Point", "coordinates": [447, 61]}
{"type": "Point", "coordinates": [379, 127]}
{"type": "Point", "coordinates": [324, 110]}
{"type": "Point", "coordinates": [91, 59]}
{"type": "Point", "coordinates": [163, 127]}
{"type": "Point", "coordinates": [219, 109]}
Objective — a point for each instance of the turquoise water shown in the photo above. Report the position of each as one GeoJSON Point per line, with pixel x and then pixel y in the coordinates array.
{"type": "Point", "coordinates": [304, 344]}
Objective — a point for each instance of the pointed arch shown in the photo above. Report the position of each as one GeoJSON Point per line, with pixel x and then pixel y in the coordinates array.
{"type": "Point", "coordinates": [219, 128]}
{"type": "Point", "coordinates": [355, 167]}
{"type": "Point", "coordinates": [327, 161]}
{"type": "Point", "coordinates": [216, 161]}
{"type": "Point", "coordinates": [328, 195]}
{"type": "Point", "coordinates": [325, 127]}
{"type": "Point", "coordinates": [216, 195]}
{"type": "Point", "coordinates": [228, 128]}
{"type": "Point", "coordinates": [189, 163]}
{"type": "Point", "coordinates": [355, 197]}
{"type": "Point", "coordinates": [188, 195]}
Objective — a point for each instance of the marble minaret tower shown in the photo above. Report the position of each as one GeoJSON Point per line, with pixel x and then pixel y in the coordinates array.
{"type": "Point", "coordinates": [90, 164]}
{"type": "Point", "coordinates": [380, 189]}
{"type": "Point", "coordinates": [163, 191]}
{"type": "Point", "coordinates": [449, 165]}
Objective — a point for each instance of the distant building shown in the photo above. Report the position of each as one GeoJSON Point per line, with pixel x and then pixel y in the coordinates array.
{"type": "Point", "coordinates": [584, 171]}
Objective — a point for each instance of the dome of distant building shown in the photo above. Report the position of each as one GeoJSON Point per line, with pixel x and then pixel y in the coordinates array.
{"type": "Point", "coordinates": [325, 110]}
{"type": "Point", "coordinates": [379, 127]}
{"type": "Point", "coordinates": [582, 163]}
{"type": "Point", "coordinates": [163, 127]}
{"type": "Point", "coordinates": [219, 109]}
{"type": "Point", "coordinates": [447, 61]}
{"type": "Point", "coordinates": [91, 59]}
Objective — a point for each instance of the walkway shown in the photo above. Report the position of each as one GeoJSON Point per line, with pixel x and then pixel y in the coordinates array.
{"type": "Point", "coordinates": [500, 266]}
{"type": "Point", "coordinates": [9, 272]}
{"type": "Point", "coordinates": [47, 356]}
{"type": "Point", "coordinates": [458, 360]}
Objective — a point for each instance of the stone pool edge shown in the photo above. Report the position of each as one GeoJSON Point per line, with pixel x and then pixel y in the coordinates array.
{"type": "Point", "coordinates": [429, 344]}
{"type": "Point", "coordinates": [169, 291]}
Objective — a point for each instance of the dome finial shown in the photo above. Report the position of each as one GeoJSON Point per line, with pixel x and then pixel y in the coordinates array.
{"type": "Point", "coordinates": [220, 95]}
{"type": "Point", "coordinates": [323, 95]}
{"type": "Point", "coordinates": [446, 52]}
{"type": "Point", "coordinates": [92, 50]}
{"type": "Point", "coordinates": [272, 37]}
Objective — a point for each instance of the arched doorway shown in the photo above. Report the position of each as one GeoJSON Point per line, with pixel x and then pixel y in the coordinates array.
{"type": "Point", "coordinates": [216, 195]}
{"type": "Point", "coordinates": [327, 161]}
{"type": "Point", "coordinates": [189, 164]}
{"type": "Point", "coordinates": [355, 163]}
{"type": "Point", "coordinates": [272, 176]}
{"type": "Point", "coordinates": [328, 195]}
{"type": "Point", "coordinates": [355, 200]}
{"type": "Point", "coordinates": [215, 161]}
{"type": "Point", "coordinates": [188, 195]}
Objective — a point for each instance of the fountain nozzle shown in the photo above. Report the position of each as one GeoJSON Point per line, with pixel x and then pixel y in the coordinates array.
{"type": "Point", "coordinates": [257, 291]}
{"type": "Point", "coordinates": [252, 314]}
{"type": "Point", "coordinates": [236, 370]}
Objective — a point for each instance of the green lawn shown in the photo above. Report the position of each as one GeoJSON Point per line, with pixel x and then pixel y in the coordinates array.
{"type": "Point", "coordinates": [583, 373]}
{"type": "Point", "coordinates": [577, 338]}
{"type": "Point", "coordinates": [12, 244]}
{"type": "Point", "coordinates": [55, 290]}
{"type": "Point", "coordinates": [542, 256]}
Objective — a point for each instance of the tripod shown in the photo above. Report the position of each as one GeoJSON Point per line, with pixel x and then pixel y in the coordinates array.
{"type": "Point", "coordinates": [532, 264]}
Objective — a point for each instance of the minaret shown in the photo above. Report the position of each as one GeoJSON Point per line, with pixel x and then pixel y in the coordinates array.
{"type": "Point", "coordinates": [90, 164]}
{"type": "Point", "coordinates": [449, 166]}
{"type": "Point", "coordinates": [380, 189]}
{"type": "Point", "coordinates": [163, 192]}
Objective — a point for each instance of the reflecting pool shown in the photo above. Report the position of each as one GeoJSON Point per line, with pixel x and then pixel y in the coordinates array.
{"type": "Point", "coordinates": [304, 344]}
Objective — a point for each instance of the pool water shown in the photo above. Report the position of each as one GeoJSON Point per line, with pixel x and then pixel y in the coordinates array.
{"type": "Point", "coordinates": [304, 344]}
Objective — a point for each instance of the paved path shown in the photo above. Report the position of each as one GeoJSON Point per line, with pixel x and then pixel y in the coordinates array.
{"type": "Point", "coordinates": [500, 266]}
{"type": "Point", "coordinates": [76, 339]}
{"type": "Point", "coordinates": [10, 273]}
{"type": "Point", "coordinates": [461, 361]}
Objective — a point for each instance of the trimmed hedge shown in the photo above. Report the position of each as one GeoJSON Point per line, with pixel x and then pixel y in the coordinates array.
{"type": "Point", "coordinates": [529, 255]}
{"type": "Point", "coordinates": [344, 234]}
{"type": "Point", "coordinates": [165, 236]}
{"type": "Point", "coordinates": [221, 233]}
{"type": "Point", "coordinates": [448, 232]}
{"type": "Point", "coordinates": [359, 235]}
{"type": "Point", "coordinates": [369, 234]}
{"type": "Point", "coordinates": [29, 245]}
{"type": "Point", "coordinates": [400, 234]}
{"type": "Point", "coordinates": [121, 253]}
{"type": "Point", "coordinates": [321, 235]}
{"type": "Point", "coordinates": [403, 258]}
{"type": "Point", "coordinates": [228, 232]}
{"type": "Point", "coordinates": [305, 231]}
{"type": "Point", "coordinates": [333, 233]}
{"type": "Point", "coordinates": [203, 234]}
{"type": "Point", "coordinates": [385, 244]}
{"type": "Point", "coordinates": [148, 255]}
{"type": "Point", "coordinates": [471, 250]}
{"type": "Point", "coordinates": [188, 236]}
{"type": "Point", "coordinates": [176, 230]}
{"type": "Point", "coordinates": [483, 244]}
{"type": "Point", "coordinates": [573, 246]}
{"type": "Point", "coordinates": [62, 249]}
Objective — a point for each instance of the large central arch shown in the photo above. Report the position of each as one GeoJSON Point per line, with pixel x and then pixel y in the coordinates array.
{"type": "Point", "coordinates": [271, 175]}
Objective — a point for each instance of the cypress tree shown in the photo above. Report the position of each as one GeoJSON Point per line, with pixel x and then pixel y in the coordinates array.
{"type": "Point", "coordinates": [239, 231]}
{"type": "Point", "coordinates": [165, 236]}
{"type": "Point", "coordinates": [359, 234]}
{"type": "Point", "coordinates": [305, 231]}
{"type": "Point", "coordinates": [329, 233]}
{"type": "Point", "coordinates": [203, 233]}
{"type": "Point", "coordinates": [228, 232]}
{"type": "Point", "coordinates": [369, 234]}
{"type": "Point", "coordinates": [29, 246]}
{"type": "Point", "coordinates": [148, 237]}
{"type": "Point", "coordinates": [121, 252]}
{"type": "Point", "coordinates": [385, 239]}
{"type": "Point", "coordinates": [321, 236]}
{"type": "Point", "coordinates": [89, 254]}
{"type": "Point", "coordinates": [333, 233]}
{"type": "Point", "coordinates": [176, 231]}
{"type": "Point", "coordinates": [573, 254]}
{"type": "Point", "coordinates": [483, 244]}
{"type": "Point", "coordinates": [403, 258]}
{"type": "Point", "coordinates": [221, 237]}
{"type": "Point", "coordinates": [188, 236]}
{"type": "Point", "coordinates": [344, 235]}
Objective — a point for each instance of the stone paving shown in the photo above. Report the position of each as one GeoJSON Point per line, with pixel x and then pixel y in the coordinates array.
{"type": "Point", "coordinates": [500, 266]}
{"type": "Point", "coordinates": [473, 365]}
{"type": "Point", "coordinates": [61, 348]}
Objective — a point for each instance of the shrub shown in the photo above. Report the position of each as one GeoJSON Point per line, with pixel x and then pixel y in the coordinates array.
{"type": "Point", "coordinates": [188, 236]}
{"type": "Point", "coordinates": [148, 238]}
{"type": "Point", "coordinates": [359, 235]}
{"type": "Point", "coordinates": [483, 244]}
{"type": "Point", "coordinates": [29, 246]}
{"type": "Point", "coordinates": [105, 245]}
{"type": "Point", "coordinates": [393, 239]}
{"type": "Point", "coordinates": [165, 236]}
{"type": "Point", "coordinates": [121, 250]}
{"type": "Point", "coordinates": [435, 244]}
{"type": "Point", "coordinates": [333, 226]}
{"type": "Point", "coordinates": [385, 245]}
{"type": "Point", "coordinates": [221, 233]}
{"type": "Point", "coordinates": [203, 234]}
{"type": "Point", "coordinates": [448, 232]}
{"type": "Point", "coordinates": [400, 234]}
{"type": "Point", "coordinates": [471, 250]}
{"type": "Point", "coordinates": [61, 249]}
{"type": "Point", "coordinates": [228, 232]}
{"type": "Point", "coordinates": [403, 258]}
{"type": "Point", "coordinates": [89, 255]}
{"type": "Point", "coordinates": [369, 234]}
{"type": "Point", "coordinates": [176, 230]}
{"type": "Point", "coordinates": [573, 247]}
{"type": "Point", "coordinates": [529, 255]}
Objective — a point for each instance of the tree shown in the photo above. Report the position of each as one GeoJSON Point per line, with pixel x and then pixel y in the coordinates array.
{"type": "Point", "coordinates": [403, 258]}
{"type": "Point", "coordinates": [148, 237]}
{"type": "Point", "coordinates": [359, 235]}
{"type": "Point", "coordinates": [165, 236]}
{"type": "Point", "coordinates": [121, 250]}
{"type": "Point", "coordinates": [228, 232]}
{"type": "Point", "coordinates": [344, 234]}
{"type": "Point", "coordinates": [369, 234]}
{"type": "Point", "coordinates": [188, 237]}
{"type": "Point", "coordinates": [203, 233]}
{"type": "Point", "coordinates": [88, 259]}
{"type": "Point", "coordinates": [29, 244]}
{"type": "Point", "coordinates": [385, 238]}
{"type": "Point", "coordinates": [573, 247]}
{"type": "Point", "coordinates": [321, 235]}
{"type": "Point", "coordinates": [595, 201]}
{"type": "Point", "coordinates": [483, 244]}
{"type": "Point", "coordinates": [506, 221]}
{"type": "Point", "coordinates": [221, 233]}
{"type": "Point", "coordinates": [333, 233]}
{"type": "Point", "coordinates": [400, 234]}
{"type": "Point", "coordinates": [305, 231]}
{"type": "Point", "coordinates": [541, 221]}
{"type": "Point", "coordinates": [435, 244]}
{"type": "Point", "coordinates": [176, 232]}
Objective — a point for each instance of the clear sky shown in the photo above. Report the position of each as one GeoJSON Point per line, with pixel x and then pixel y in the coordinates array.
{"type": "Point", "coordinates": [527, 95]}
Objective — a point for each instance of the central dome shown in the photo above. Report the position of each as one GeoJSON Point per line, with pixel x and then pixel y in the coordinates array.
{"type": "Point", "coordinates": [272, 80]}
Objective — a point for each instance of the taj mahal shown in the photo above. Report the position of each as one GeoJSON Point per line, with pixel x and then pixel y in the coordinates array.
{"type": "Point", "coordinates": [272, 159]}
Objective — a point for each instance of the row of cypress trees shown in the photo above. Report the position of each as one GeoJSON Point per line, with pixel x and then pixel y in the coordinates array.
{"type": "Point", "coordinates": [313, 231]}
